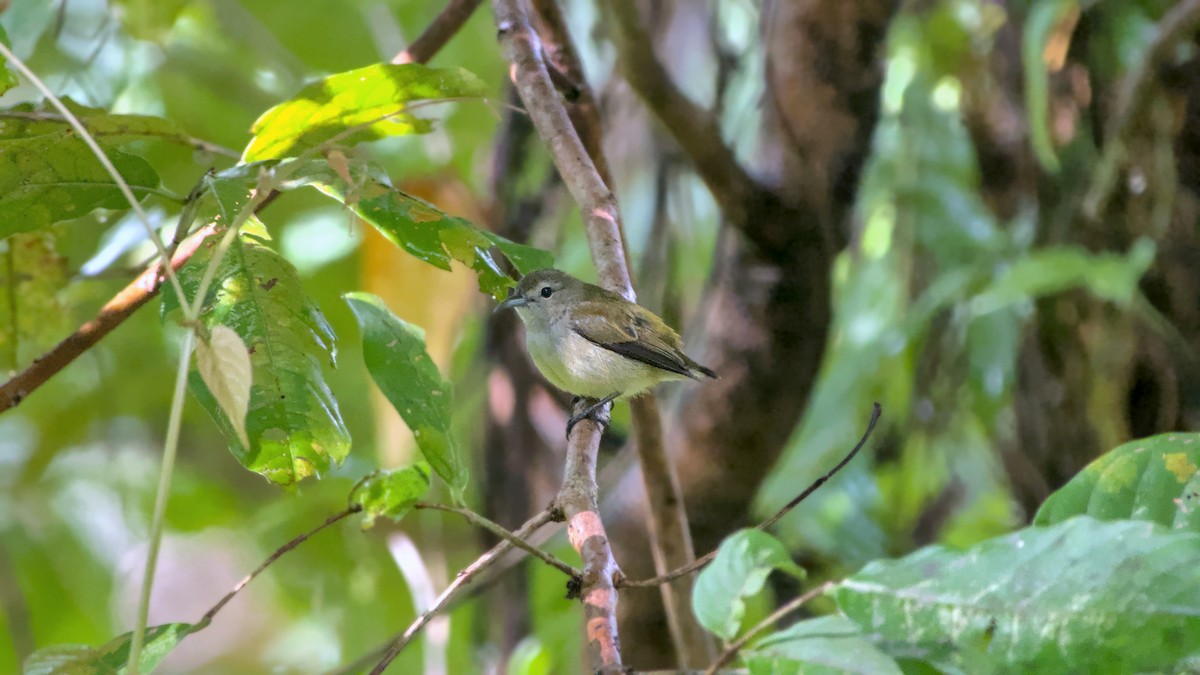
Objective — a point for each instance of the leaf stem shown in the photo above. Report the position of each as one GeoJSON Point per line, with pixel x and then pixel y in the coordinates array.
{"type": "Point", "coordinates": [170, 445]}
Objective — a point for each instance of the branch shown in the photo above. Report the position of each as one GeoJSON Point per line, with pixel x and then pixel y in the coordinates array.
{"type": "Point", "coordinates": [208, 616]}
{"type": "Point", "coordinates": [438, 32]}
{"type": "Point", "coordinates": [708, 557]}
{"type": "Point", "coordinates": [670, 536]}
{"type": "Point", "coordinates": [510, 537]}
{"type": "Point", "coordinates": [464, 577]}
{"type": "Point", "coordinates": [1132, 98]}
{"type": "Point", "coordinates": [114, 312]}
{"type": "Point", "coordinates": [695, 130]}
{"type": "Point", "coordinates": [763, 625]}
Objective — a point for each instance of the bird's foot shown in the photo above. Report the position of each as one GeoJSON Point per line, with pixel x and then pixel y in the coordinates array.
{"type": "Point", "coordinates": [589, 409]}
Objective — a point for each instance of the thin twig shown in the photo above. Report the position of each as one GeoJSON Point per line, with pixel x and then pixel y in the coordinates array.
{"type": "Point", "coordinates": [707, 558]}
{"type": "Point", "coordinates": [438, 32]}
{"type": "Point", "coordinates": [464, 578]}
{"type": "Point", "coordinates": [737, 645]}
{"type": "Point", "coordinates": [208, 616]}
{"type": "Point", "coordinates": [1132, 97]}
{"type": "Point", "coordinates": [482, 522]}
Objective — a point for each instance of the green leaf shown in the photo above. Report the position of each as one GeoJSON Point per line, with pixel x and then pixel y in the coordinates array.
{"type": "Point", "coordinates": [828, 644]}
{"type": "Point", "coordinates": [8, 80]}
{"type": "Point", "coordinates": [355, 106]}
{"type": "Point", "coordinates": [394, 352]}
{"type": "Point", "coordinates": [1044, 17]}
{"type": "Point", "coordinates": [109, 658]}
{"type": "Point", "coordinates": [435, 237]}
{"type": "Point", "coordinates": [293, 423]}
{"type": "Point", "coordinates": [1153, 479]}
{"type": "Point", "coordinates": [1053, 270]}
{"type": "Point", "coordinates": [49, 178]}
{"type": "Point", "coordinates": [739, 571]}
{"type": "Point", "coordinates": [27, 120]}
{"type": "Point", "coordinates": [391, 494]}
{"type": "Point", "coordinates": [32, 310]}
{"type": "Point", "coordinates": [1079, 596]}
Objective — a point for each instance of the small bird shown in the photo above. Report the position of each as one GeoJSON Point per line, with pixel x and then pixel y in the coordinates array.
{"type": "Point", "coordinates": [593, 343]}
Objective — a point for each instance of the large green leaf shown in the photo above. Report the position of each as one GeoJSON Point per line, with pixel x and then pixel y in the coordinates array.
{"type": "Point", "coordinates": [293, 423]}
{"type": "Point", "coordinates": [391, 494]}
{"type": "Point", "coordinates": [433, 236]}
{"type": "Point", "coordinates": [1153, 479]}
{"type": "Point", "coordinates": [7, 79]}
{"type": "Point", "coordinates": [394, 351]}
{"type": "Point", "coordinates": [741, 567]}
{"type": "Point", "coordinates": [1080, 596]}
{"type": "Point", "coordinates": [48, 178]}
{"type": "Point", "coordinates": [26, 120]}
{"type": "Point", "coordinates": [827, 644]}
{"type": "Point", "coordinates": [109, 658]}
{"type": "Point", "coordinates": [359, 105]}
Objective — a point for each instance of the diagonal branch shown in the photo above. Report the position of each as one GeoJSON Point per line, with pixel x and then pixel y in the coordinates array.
{"type": "Point", "coordinates": [438, 32]}
{"type": "Point", "coordinates": [694, 128]}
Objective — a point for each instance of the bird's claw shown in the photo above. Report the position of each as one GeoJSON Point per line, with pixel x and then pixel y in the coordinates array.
{"type": "Point", "coordinates": [594, 412]}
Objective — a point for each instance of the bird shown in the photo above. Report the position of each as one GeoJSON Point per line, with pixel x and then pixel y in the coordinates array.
{"type": "Point", "coordinates": [593, 343]}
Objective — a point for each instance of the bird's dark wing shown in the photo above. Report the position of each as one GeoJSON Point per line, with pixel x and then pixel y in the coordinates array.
{"type": "Point", "coordinates": [637, 334]}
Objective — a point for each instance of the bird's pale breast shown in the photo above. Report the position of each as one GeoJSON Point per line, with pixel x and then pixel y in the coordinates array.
{"type": "Point", "coordinates": [583, 368]}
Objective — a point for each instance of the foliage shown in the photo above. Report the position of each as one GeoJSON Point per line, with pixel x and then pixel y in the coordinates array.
{"type": "Point", "coordinates": [391, 494]}
{"type": "Point", "coordinates": [738, 572]}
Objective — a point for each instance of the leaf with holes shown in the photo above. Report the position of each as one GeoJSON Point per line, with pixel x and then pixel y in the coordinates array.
{"type": "Point", "coordinates": [394, 351]}
{"type": "Point", "coordinates": [50, 178]}
{"type": "Point", "coordinates": [224, 365]}
{"type": "Point", "coordinates": [1079, 596]}
{"type": "Point", "coordinates": [355, 106]}
{"type": "Point", "coordinates": [741, 567]}
{"type": "Point", "coordinates": [109, 658]}
{"type": "Point", "coordinates": [293, 424]}
{"type": "Point", "coordinates": [1153, 479]}
{"type": "Point", "coordinates": [391, 494]}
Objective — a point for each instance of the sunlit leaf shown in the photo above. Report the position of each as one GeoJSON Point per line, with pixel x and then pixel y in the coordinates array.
{"type": "Point", "coordinates": [1079, 596]}
{"type": "Point", "coordinates": [435, 237]}
{"type": "Point", "coordinates": [49, 178]}
{"type": "Point", "coordinates": [1153, 479]}
{"type": "Point", "coordinates": [293, 422]}
{"type": "Point", "coordinates": [224, 365]}
{"type": "Point", "coordinates": [8, 79]}
{"type": "Point", "coordinates": [391, 494]}
{"type": "Point", "coordinates": [359, 105]}
{"type": "Point", "coordinates": [109, 658]}
{"type": "Point", "coordinates": [32, 318]}
{"type": "Point", "coordinates": [828, 644]}
{"type": "Point", "coordinates": [739, 571]}
{"type": "Point", "coordinates": [394, 351]}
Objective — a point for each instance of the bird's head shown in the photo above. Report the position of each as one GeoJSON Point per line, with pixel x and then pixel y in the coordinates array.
{"type": "Point", "coordinates": [543, 291]}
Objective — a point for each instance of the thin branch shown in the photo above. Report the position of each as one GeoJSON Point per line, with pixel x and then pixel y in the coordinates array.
{"type": "Point", "coordinates": [787, 508]}
{"type": "Point", "coordinates": [337, 517]}
{"type": "Point", "coordinates": [695, 129]}
{"type": "Point", "coordinates": [114, 312]}
{"type": "Point", "coordinates": [464, 578]}
{"type": "Point", "coordinates": [1132, 97]}
{"type": "Point", "coordinates": [512, 538]}
{"type": "Point", "coordinates": [438, 32]}
{"type": "Point", "coordinates": [763, 625]}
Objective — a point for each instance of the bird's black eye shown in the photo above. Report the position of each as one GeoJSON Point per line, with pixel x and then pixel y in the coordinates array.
{"type": "Point", "coordinates": [547, 291]}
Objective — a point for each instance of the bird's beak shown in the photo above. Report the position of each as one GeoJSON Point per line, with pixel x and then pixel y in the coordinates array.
{"type": "Point", "coordinates": [512, 301]}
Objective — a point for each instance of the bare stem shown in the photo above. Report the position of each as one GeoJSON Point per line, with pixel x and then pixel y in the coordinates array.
{"type": "Point", "coordinates": [787, 508]}
{"type": "Point", "coordinates": [438, 32]}
{"type": "Point", "coordinates": [482, 522]}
